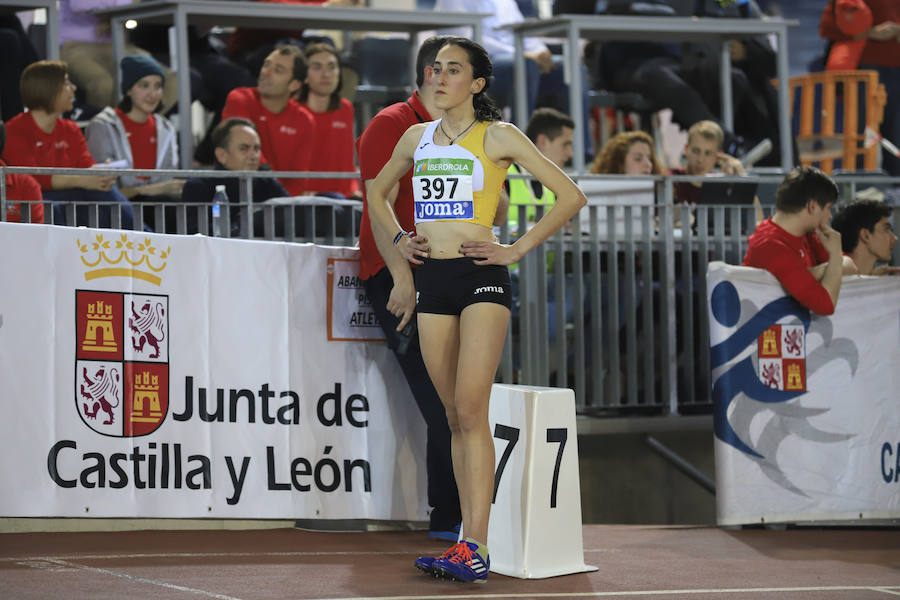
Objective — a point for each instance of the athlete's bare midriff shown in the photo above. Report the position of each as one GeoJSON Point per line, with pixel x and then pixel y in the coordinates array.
{"type": "Point", "coordinates": [446, 237]}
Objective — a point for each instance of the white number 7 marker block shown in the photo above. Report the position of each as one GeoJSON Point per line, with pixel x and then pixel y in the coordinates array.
{"type": "Point", "coordinates": [535, 525]}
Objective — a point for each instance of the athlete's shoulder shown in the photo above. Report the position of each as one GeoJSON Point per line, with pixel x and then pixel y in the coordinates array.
{"type": "Point", "coordinates": [415, 131]}
{"type": "Point", "coordinates": [503, 132]}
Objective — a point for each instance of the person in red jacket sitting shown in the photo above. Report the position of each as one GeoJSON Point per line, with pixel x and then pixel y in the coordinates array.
{"type": "Point", "coordinates": [320, 96]}
{"type": "Point", "coordinates": [20, 187]}
{"type": "Point", "coordinates": [42, 138]}
{"type": "Point", "coordinates": [880, 52]}
{"type": "Point", "coordinates": [797, 244]}
{"type": "Point", "coordinates": [285, 129]}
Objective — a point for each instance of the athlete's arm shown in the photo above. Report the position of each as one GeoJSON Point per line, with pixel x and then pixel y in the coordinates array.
{"type": "Point", "coordinates": [403, 293]}
{"type": "Point", "coordinates": [381, 194]}
{"type": "Point", "coordinates": [504, 143]}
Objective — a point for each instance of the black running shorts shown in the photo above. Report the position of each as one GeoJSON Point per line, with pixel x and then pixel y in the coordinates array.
{"type": "Point", "coordinates": [446, 287]}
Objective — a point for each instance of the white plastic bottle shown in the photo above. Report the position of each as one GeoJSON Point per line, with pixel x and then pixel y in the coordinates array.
{"type": "Point", "coordinates": [220, 199]}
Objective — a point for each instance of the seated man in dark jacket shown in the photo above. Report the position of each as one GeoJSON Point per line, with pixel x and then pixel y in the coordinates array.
{"type": "Point", "coordinates": [237, 148]}
{"type": "Point", "coordinates": [686, 77]}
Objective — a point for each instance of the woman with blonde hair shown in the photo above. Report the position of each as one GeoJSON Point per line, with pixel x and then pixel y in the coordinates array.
{"type": "Point", "coordinates": [458, 164]}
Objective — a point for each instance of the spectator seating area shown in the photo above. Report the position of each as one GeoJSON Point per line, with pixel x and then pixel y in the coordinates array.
{"type": "Point", "coordinates": [382, 65]}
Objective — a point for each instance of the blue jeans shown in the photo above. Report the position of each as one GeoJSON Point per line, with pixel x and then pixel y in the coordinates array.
{"type": "Point", "coordinates": [82, 213]}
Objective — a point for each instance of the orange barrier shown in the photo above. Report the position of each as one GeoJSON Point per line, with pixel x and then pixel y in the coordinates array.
{"type": "Point", "coordinates": [826, 118]}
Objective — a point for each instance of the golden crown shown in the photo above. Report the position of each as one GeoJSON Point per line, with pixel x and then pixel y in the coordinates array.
{"type": "Point", "coordinates": [132, 255]}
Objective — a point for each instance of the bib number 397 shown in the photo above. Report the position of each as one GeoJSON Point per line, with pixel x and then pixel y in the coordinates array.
{"type": "Point", "coordinates": [435, 188]}
{"type": "Point", "coordinates": [442, 189]}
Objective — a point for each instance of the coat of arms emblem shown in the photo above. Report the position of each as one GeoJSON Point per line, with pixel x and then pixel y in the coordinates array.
{"type": "Point", "coordinates": [121, 361]}
{"type": "Point", "coordinates": [782, 357]}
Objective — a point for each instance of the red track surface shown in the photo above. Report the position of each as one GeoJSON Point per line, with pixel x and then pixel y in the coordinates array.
{"type": "Point", "coordinates": [634, 562]}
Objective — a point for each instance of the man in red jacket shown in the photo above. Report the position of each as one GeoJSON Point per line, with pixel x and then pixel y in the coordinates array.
{"type": "Point", "coordinates": [797, 244]}
{"type": "Point", "coordinates": [285, 129]}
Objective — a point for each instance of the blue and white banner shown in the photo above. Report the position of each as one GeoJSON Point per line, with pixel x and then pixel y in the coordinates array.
{"type": "Point", "coordinates": [806, 408]}
{"type": "Point", "coordinates": [183, 376]}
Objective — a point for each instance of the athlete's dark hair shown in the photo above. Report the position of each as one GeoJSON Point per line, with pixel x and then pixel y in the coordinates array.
{"type": "Point", "coordinates": [485, 107]}
{"type": "Point", "coordinates": [854, 216]}
{"type": "Point", "coordinates": [800, 186]}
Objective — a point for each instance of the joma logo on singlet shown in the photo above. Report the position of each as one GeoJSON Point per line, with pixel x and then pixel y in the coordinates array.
{"type": "Point", "coordinates": [444, 210]}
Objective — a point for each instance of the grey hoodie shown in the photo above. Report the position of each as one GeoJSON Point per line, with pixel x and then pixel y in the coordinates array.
{"type": "Point", "coordinates": [107, 139]}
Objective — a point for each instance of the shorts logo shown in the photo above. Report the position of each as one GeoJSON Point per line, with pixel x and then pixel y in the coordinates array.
{"type": "Point", "coordinates": [121, 361]}
{"type": "Point", "coordinates": [491, 289]}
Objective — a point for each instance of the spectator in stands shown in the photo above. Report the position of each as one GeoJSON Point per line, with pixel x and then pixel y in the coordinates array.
{"type": "Point", "coordinates": [628, 153]}
{"type": "Point", "coordinates": [881, 53]}
{"type": "Point", "coordinates": [213, 74]}
{"type": "Point", "coordinates": [18, 52]}
{"type": "Point", "coordinates": [546, 85]}
{"type": "Point", "coordinates": [86, 48]}
{"type": "Point", "coordinates": [42, 138]}
{"type": "Point", "coordinates": [552, 132]}
{"type": "Point", "coordinates": [237, 147]}
{"type": "Point", "coordinates": [374, 148]}
{"type": "Point", "coordinates": [797, 245]}
{"type": "Point", "coordinates": [22, 187]}
{"type": "Point", "coordinates": [333, 117]}
{"type": "Point", "coordinates": [133, 132]}
{"type": "Point", "coordinates": [703, 155]}
{"type": "Point", "coordinates": [285, 129]}
{"type": "Point", "coordinates": [462, 286]}
{"type": "Point", "coordinates": [867, 236]}
{"type": "Point", "coordinates": [687, 78]}
{"type": "Point", "coordinates": [249, 46]}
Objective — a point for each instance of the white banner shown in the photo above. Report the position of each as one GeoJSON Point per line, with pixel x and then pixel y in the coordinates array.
{"type": "Point", "coordinates": [806, 408]}
{"type": "Point", "coordinates": [151, 375]}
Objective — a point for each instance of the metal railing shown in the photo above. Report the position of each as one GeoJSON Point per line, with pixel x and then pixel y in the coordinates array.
{"type": "Point", "coordinates": [617, 310]}
{"type": "Point", "coordinates": [314, 219]}
{"type": "Point", "coordinates": [614, 306]}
